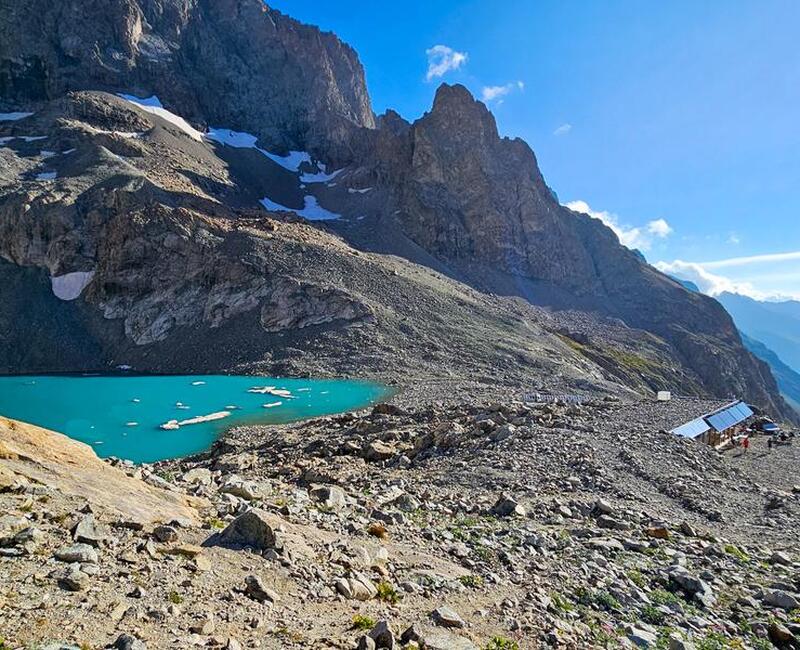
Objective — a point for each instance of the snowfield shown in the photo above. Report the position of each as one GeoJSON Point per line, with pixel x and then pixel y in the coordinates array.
{"type": "Point", "coordinates": [312, 210]}
{"type": "Point", "coordinates": [153, 105]}
{"type": "Point", "coordinates": [70, 285]}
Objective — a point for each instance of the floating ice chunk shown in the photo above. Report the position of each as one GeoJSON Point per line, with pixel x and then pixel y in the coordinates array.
{"type": "Point", "coordinates": [353, 190]}
{"type": "Point", "coordinates": [272, 405]}
{"type": "Point", "coordinates": [70, 285]}
{"type": "Point", "coordinates": [14, 116]}
{"type": "Point", "coordinates": [67, 152]}
{"type": "Point", "coordinates": [33, 138]}
{"type": "Point", "coordinates": [312, 210]}
{"type": "Point", "coordinates": [219, 415]}
{"type": "Point", "coordinates": [303, 390]}
{"type": "Point", "coordinates": [198, 383]}
{"type": "Point", "coordinates": [172, 425]}
{"type": "Point", "coordinates": [271, 390]}
{"type": "Point", "coordinates": [131, 424]}
{"type": "Point", "coordinates": [46, 176]}
{"type": "Point", "coordinates": [136, 400]}
{"type": "Point", "coordinates": [231, 408]}
{"type": "Point", "coordinates": [153, 105]}
{"type": "Point", "coordinates": [261, 389]}
{"type": "Point", "coordinates": [123, 366]}
{"type": "Point", "coordinates": [47, 154]}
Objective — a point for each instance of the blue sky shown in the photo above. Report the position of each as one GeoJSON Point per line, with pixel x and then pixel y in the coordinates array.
{"type": "Point", "coordinates": [675, 122]}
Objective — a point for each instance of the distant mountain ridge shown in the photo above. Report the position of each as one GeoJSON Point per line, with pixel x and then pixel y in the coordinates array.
{"type": "Point", "coordinates": [775, 324]}
{"type": "Point", "coordinates": [787, 378]}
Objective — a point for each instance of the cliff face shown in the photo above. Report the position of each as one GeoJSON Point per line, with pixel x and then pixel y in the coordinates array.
{"type": "Point", "coordinates": [232, 62]}
{"type": "Point", "coordinates": [480, 202]}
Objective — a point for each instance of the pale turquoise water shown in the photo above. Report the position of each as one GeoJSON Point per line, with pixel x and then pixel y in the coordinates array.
{"type": "Point", "coordinates": [121, 415]}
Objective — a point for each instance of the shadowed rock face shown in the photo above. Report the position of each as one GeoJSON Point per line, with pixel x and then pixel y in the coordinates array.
{"type": "Point", "coordinates": [480, 203]}
{"type": "Point", "coordinates": [235, 63]}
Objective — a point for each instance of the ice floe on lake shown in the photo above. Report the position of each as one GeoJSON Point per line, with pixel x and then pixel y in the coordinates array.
{"type": "Point", "coordinates": [172, 425]}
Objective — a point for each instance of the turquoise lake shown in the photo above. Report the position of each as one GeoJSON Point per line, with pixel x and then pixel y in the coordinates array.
{"type": "Point", "coordinates": [123, 416]}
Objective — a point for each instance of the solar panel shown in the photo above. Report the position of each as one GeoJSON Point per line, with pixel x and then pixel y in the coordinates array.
{"type": "Point", "coordinates": [730, 417]}
{"type": "Point", "coordinates": [692, 429]}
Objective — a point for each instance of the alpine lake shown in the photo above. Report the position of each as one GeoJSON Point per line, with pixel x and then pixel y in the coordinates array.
{"type": "Point", "coordinates": [149, 418]}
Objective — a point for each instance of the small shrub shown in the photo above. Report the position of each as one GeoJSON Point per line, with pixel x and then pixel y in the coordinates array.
{"type": "Point", "coordinates": [652, 615]}
{"type": "Point", "coordinates": [471, 581]}
{"type": "Point", "coordinates": [663, 597]}
{"type": "Point", "coordinates": [175, 598]}
{"type": "Point", "coordinates": [561, 603]}
{"type": "Point", "coordinates": [606, 600]}
{"type": "Point", "coordinates": [502, 643]}
{"type": "Point", "coordinates": [213, 522]}
{"type": "Point", "coordinates": [736, 552]}
{"type": "Point", "coordinates": [637, 578]}
{"type": "Point", "coordinates": [388, 594]}
{"type": "Point", "coordinates": [363, 623]}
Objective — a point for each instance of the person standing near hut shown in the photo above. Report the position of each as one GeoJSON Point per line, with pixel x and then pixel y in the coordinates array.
{"type": "Point", "coordinates": [745, 444]}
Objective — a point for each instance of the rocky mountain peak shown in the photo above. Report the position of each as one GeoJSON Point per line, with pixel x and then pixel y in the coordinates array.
{"type": "Point", "coordinates": [455, 110]}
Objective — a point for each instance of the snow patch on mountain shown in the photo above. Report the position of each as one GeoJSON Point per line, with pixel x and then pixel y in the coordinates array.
{"type": "Point", "coordinates": [311, 210]}
{"type": "Point", "coordinates": [153, 105]}
{"type": "Point", "coordinates": [70, 285]}
{"type": "Point", "coordinates": [14, 116]}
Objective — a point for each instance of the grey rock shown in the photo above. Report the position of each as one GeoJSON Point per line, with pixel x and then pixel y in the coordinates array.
{"type": "Point", "coordinates": [382, 635]}
{"type": "Point", "coordinates": [85, 531]}
{"type": "Point", "coordinates": [782, 599]}
{"type": "Point", "coordinates": [82, 553]}
{"type": "Point", "coordinates": [250, 530]}
{"type": "Point", "coordinates": [329, 496]}
{"type": "Point", "coordinates": [436, 638]}
{"type": "Point", "coordinates": [447, 617]}
{"type": "Point", "coordinates": [257, 590]}
{"type": "Point", "coordinates": [165, 534]}
{"type": "Point", "coordinates": [128, 642]}
{"type": "Point", "coordinates": [506, 506]}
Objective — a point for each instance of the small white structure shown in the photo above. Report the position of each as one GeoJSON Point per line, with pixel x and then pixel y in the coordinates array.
{"type": "Point", "coordinates": [663, 396]}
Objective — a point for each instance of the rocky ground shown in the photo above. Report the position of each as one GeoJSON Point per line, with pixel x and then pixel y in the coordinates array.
{"type": "Point", "coordinates": [489, 526]}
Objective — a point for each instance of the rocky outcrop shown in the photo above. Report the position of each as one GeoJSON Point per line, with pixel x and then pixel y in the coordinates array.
{"type": "Point", "coordinates": [237, 63]}
{"type": "Point", "coordinates": [29, 454]}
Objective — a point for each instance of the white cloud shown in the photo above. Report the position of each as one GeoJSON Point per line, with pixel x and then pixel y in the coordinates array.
{"type": "Point", "coordinates": [490, 93]}
{"type": "Point", "coordinates": [734, 239]}
{"type": "Point", "coordinates": [777, 281]}
{"type": "Point", "coordinates": [753, 259]}
{"type": "Point", "coordinates": [630, 236]}
{"type": "Point", "coordinates": [563, 129]}
{"type": "Point", "coordinates": [442, 59]}
{"type": "Point", "coordinates": [660, 228]}
{"type": "Point", "coordinates": [708, 283]}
